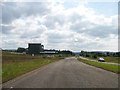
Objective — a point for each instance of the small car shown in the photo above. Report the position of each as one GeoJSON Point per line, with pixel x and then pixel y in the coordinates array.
{"type": "Point", "coordinates": [101, 59]}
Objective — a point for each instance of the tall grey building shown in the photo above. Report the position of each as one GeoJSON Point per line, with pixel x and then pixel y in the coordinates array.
{"type": "Point", "coordinates": [35, 48]}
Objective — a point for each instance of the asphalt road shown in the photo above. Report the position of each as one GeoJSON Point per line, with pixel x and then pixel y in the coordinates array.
{"type": "Point", "coordinates": [67, 73]}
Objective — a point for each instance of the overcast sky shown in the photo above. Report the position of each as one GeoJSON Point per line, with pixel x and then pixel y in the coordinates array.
{"type": "Point", "coordinates": [72, 25]}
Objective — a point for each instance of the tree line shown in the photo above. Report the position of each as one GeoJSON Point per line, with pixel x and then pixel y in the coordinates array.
{"type": "Point", "coordinates": [99, 54]}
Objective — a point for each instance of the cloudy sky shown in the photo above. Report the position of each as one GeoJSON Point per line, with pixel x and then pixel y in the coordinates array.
{"type": "Point", "coordinates": [66, 24]}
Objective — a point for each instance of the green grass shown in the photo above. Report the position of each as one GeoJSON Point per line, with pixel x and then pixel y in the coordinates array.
{"type": "Point", "coordinates": [12, 70]}
{"type": "Point", "coordinates": [108, 59]}
{"type": "Point", "coordinates": [112, 59]}
{"type": "Point", "coordinates": [14, 65]}
{"type": "Point", "coordinates": [109, 67]}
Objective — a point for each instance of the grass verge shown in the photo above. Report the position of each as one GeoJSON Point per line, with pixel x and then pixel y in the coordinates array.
{"type": "Point", "coordinates": [108, 59]}
{"type": "Point", "coordinates": [15, 69]}
{"type": "Point", "coordinates": [14, 65]}
{"type": "Point", "coordinates": [109, 67]}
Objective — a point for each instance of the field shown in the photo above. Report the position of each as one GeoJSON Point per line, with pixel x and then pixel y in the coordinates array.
{"type": "Point", "coordinates": [109, 67]}
{"type": "Point", "coordinates": [14, 65]}
{"type": "Point", "coordinates": [108, 59]}
{"type": "Point", "coordinates": [112, 59]}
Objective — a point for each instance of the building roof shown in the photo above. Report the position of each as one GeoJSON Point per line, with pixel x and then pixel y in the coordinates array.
{"type": "Point", "coordinates": [49, 51]}
{"type": "Point", "coordinates": [35, 43]}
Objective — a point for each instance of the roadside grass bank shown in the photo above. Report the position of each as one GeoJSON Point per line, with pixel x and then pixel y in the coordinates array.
{"type": "Point", "coordinates": [14, 65]}
{"type": "Point", "coordinates": [109, 67]}
{"type": "Point", "coordinates": [107, 59]}
{"type": "Point", "coordinates": [112, 59]}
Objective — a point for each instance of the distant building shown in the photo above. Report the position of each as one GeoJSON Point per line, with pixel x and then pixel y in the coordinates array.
{"type": "Point", "coordinates": [49, 52]}
{"type": "Point", "coordinates": [38, 48]}
{"type": "Point", "coordinates": [35, 48]}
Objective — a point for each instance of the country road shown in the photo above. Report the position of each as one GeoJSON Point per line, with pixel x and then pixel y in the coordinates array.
{"type": "Point", "coordinates": [66, 73]}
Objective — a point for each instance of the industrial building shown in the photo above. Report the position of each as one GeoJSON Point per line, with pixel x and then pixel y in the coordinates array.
{"type": "Point", "coordinates": [35, 48]}
{"type": "Point", "coordinates": [38, 49]}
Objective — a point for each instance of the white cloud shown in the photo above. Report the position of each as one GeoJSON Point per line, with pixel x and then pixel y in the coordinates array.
{"type": "Point", "coordinates": [76, 28]}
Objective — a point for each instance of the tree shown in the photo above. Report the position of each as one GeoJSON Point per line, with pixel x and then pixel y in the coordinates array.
{"type": "Point", "coordinates": [118, 54]}
{"type": "Point", "coordinates": [82, 53]}
{"type": "Point", "coordinates": [87, 55]}
{"type": "Point", "coordinates": [95, 56]}
{"type": "Point", "coordinates": [21, 50]}
{"type": "Point", "coordinates": [108, 54]}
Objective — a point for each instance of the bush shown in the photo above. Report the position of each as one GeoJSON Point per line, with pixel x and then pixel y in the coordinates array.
{"type": "Point", "coordinates": [21, 50]}
{"type": "Point", "coordinates": [87, 55]}
{"type": "Point", "coordinates": [95, 56]}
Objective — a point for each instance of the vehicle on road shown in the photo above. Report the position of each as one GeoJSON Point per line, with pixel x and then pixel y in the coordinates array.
{"type": "Point", "coordinates": [101, 59]}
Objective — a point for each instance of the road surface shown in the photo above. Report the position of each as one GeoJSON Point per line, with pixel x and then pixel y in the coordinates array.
{"type": "Point", "coordinates": [66, 73]}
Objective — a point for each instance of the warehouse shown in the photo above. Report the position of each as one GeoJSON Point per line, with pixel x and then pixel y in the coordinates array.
{"type": "Point", "coordinates": [35, 48]}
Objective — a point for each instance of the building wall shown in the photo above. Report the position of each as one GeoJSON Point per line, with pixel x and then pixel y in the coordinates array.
{"type": "Point", "coordinates": [35, 48]}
